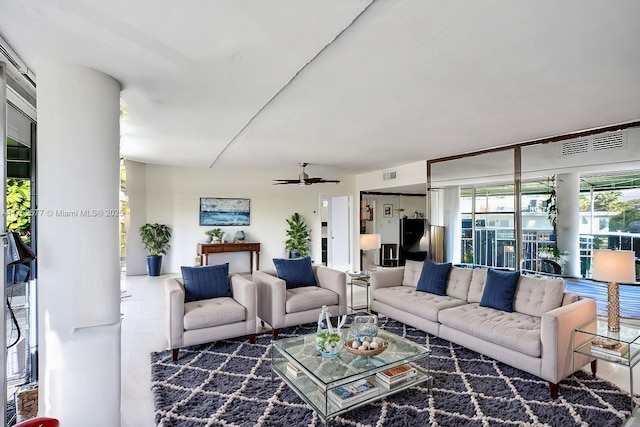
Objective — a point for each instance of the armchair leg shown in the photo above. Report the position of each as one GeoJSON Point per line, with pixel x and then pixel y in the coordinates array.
{"type": "Point", "coordinates": [252, 338]}
{"type": "Point", "coordinates": [553, 388]}
{"type": "Point", "coordinates": [275, 333]}
{"type": "Point", "coordinates": [594, 367]}
{"type": "Point", "coordinates": [174, 354]}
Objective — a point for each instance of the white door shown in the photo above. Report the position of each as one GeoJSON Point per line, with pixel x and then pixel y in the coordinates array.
{"type": "Point", "coordinates": [339, 233]}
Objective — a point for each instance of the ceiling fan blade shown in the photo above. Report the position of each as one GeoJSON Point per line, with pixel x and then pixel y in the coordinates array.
{"type": "Point", "coordinates": [321, 180]}
{"type": "Point", "coordinates": [286, 181]}
{"type": "Point", "coordinates": [303, 179]}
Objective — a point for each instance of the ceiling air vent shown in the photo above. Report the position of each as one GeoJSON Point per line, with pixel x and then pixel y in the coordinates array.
{"type": "Point", "coordinates": [609, 141]}
{"type": "Point", "coordinates": [576, 146]}
{"type": "Point", "coordinates": [388, 175]}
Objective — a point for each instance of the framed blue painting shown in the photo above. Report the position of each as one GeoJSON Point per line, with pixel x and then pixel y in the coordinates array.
{"type": "Point", "coordinates": [218, 211]}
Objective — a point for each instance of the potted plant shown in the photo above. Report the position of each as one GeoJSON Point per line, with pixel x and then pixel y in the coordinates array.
{"type": "Point", "coordinates": [297, 237]}
{"type": "Point", "coordinates": [551, 206]}
{"type": "Point", "coordinates": [155, 239]}
{"type": "Point", "coordinates": [215, 234]}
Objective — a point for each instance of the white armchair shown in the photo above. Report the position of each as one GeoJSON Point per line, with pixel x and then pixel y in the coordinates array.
{"type": "Point", "coordinates": [207, 320]}
{"type": "Point", "coordinates": [281, 307]}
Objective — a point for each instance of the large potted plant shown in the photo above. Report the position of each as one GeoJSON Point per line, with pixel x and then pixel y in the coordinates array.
{"type": "Point", "coordinates": [155, 239]}
{"type": "Point", "coordinates": [297, 242]}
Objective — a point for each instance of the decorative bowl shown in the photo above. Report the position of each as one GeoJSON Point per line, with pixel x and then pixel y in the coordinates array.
{"type": "Point", "coordinates": [328, 343]}
{"type": "Point", "coordinates": [380, 347]}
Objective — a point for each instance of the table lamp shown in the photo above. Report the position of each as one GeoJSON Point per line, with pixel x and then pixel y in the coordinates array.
{"type": "Point", "coordinates": [368, 242]}
{"type": "Point", "coordinates": [614, 267]}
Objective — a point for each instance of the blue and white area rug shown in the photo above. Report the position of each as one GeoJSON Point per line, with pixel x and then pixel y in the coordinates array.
{"type": "Point", "coordinates": [229, 383]}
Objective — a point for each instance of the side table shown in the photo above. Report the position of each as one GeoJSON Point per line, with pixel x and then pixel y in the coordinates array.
{"type": "Point", "coordinates": [362, 281]}
{"type": "Point", "coordinates": [594, 340]}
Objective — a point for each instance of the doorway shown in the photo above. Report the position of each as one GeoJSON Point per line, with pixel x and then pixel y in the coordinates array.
{"type": "Point", "coordinates": [336, 231]}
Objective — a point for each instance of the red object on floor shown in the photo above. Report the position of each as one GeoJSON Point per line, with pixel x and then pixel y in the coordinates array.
{"type": "Point", "coordinates": [39, 422]}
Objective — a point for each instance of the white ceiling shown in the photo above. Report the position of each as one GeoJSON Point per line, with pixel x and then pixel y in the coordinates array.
{"type": "Point", "coordinates": [348, 86]}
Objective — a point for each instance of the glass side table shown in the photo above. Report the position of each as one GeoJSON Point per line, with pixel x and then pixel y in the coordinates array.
{"type": "Point", "coordinates": [622, 348]}
{"type": "Point", "coordinates": [362, 281]}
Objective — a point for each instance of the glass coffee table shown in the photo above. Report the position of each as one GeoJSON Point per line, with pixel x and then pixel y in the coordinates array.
{"type": "Point", "coordinates": [312, 377]}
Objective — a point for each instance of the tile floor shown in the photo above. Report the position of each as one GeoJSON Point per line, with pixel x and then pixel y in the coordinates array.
{"type": "Point", "coordinates": [142, 332]}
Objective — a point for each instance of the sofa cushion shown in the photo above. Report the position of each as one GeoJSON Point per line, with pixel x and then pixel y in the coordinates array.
{"type": "Point", "coordinates": [422, 304]}
{"type": "Point", "coordinates": [208, 281]}
{"type": "Point", "coordinates": [517, 331]}
{"type": "Point", "coordinates": [535, 296]}
{"type": "Point", "coordinates": [459, 282]}
{"type": "Point", "coordinates": [412, 271]}
{"type": "Point", "coordinates": [308, 298]}
{"type": "Point", "coordinates": [295, 272]}
{"type": "Point", "coordinates": [212, 312]}
{"type": "Point", "coordinates": [478, 279]}
{"type": "Point", "coordinates": [434, 277]}
{"type": "Point", "coordinates": [500, 289]}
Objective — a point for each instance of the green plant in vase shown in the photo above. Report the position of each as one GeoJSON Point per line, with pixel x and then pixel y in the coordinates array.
{"type": "Point", "coordinates": [298, 237]}
{"type": "Point", "coordinates": [215, 234]}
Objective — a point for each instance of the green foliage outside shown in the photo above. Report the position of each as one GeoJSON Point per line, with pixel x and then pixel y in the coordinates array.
{"type": "Point", "coordinates": [19, 207]}
{"type": "Point", "coordinates": [628, 219]}
{"type": "Point", "coordinates": [603, 201]}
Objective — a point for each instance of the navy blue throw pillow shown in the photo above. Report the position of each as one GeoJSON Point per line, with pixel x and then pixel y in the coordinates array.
{"type": "Point", "coordinates": [296, 272]}
{"type": "Point", "coordinates": [499, 289]}
{"type": "Point", "coordinates": [208, 281]}
{"type": "Point", "coordinates": [434, 277]}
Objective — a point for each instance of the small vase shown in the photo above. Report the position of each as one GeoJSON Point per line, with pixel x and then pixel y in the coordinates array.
{"type": "Point", "coordinates": [329, 344]}
{"type": "Point", "coordinates": [208, 239]}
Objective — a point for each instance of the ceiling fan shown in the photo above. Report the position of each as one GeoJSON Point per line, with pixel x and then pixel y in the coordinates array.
{"type": "Point", "coordinates": [303, 179]}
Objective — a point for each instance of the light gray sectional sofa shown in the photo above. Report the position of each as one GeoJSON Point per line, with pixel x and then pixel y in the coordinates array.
{"type": "Point", "coordinates": [537, 337]}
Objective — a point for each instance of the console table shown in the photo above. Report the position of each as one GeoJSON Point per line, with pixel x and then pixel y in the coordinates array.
{"type": "Point", "coordinates": [204, 249]}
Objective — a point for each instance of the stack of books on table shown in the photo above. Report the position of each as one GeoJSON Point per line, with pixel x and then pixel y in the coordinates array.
{"type": "Point", "coordinates": [352, 393]}
{"type": "Point", "coordinates": [293, 371]}
{"type": "Point", "coordinates": [399, 375]}
{"type": "Point", "coordinates": [614, 349]}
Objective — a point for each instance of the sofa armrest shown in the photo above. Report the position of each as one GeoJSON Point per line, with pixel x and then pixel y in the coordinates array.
{"type": "Point", "coordinates": [174, 311]}
{"type": "Point", "coordinates": [556, 333]}
{"type": "Point", "coordinates": [244, 292]}
{"type": "Point", "coordinates": [272, 298]}
{"type": "Point", "coordinates": [386, 278]}
{"type": "Point", "coordinates": [335, 281]}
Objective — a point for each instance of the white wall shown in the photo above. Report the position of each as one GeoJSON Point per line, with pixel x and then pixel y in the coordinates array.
{"type": "Point", "coordinates": [173, 197]}
{"type": "Point", "coordinates": [409, 174]}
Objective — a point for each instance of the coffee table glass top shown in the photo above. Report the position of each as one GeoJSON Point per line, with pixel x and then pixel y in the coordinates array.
{"type": "Point", "coordinates": [348, 367]}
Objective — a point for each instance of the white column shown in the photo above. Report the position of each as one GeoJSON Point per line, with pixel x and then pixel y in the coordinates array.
{"type": "Point", "coordinates": [78, 248]}
{"type": "Point", "coordinates": [452, 224]}
{"type": "Point", "coordinates": [568, 225]}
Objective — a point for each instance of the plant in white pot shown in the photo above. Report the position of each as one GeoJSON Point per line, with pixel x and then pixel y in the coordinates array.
{"type": "Point", "coordinates": [155, 239]}
{"type": "Point", "coordinates": [215, 234]}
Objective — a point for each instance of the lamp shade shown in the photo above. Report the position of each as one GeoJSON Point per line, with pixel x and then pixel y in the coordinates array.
{"type": "Point", "coordinates": [369, 241]}
{"type": "Point", "coordinates": [614, 266]}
